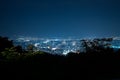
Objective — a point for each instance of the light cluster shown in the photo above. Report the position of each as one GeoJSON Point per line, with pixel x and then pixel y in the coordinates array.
{"type": "Point", "coordinates": [59, 46]}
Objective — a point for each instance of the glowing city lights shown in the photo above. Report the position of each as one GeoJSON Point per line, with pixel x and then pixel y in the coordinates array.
{"type": "Point", "coordinates": [61, 46]}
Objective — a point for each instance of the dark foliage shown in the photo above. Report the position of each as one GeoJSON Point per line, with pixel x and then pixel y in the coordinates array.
{"type": "Point", "coordinates": [5, 43]}
{"type": "Point", "coordinates": [100, 64]}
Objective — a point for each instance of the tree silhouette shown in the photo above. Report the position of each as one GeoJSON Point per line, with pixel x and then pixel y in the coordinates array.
{"type": "Point", "coordinates": [96, 44]}
{"type": "Point", "coordinates": [10, 53]}
{"type": "Point", "coordinates": [5, 43]}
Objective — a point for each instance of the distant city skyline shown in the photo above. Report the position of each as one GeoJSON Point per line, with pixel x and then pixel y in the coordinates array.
{"type": "Point", "coordinates": [64, 46]}
{"type": "Point", "coordinates": [60, 18]}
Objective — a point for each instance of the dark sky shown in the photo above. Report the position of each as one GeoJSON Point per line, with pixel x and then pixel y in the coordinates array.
{"type": "Point", "coordinates": [60, 18]}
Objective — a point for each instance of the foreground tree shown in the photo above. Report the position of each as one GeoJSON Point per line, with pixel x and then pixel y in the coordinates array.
{"type": "Point", "coordinates": [5, 43]}
{"type": "Point", "coordinates": [97, 44]}
{"type": "Point", "coordinates": [10, 53]}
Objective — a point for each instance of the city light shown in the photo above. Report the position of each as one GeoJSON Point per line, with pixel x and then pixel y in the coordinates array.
{"type": "Point", "coordinates": [60, 46]}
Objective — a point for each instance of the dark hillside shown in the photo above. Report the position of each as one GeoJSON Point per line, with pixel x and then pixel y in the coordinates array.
{"type": "Point", "coordinates": [20, 64]}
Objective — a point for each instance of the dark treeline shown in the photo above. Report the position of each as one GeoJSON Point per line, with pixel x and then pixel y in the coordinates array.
{"type": "Point", "coordinates": [96, 63]}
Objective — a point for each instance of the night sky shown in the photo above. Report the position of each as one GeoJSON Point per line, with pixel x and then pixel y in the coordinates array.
{"type": "Point", "coordinates": [60, 18]}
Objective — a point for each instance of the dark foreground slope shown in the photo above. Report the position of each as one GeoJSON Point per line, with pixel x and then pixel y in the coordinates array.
{"type": "Point", "coordinates": [92, 65]}
{"type": "Point", "coordinates": [97, 63]}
